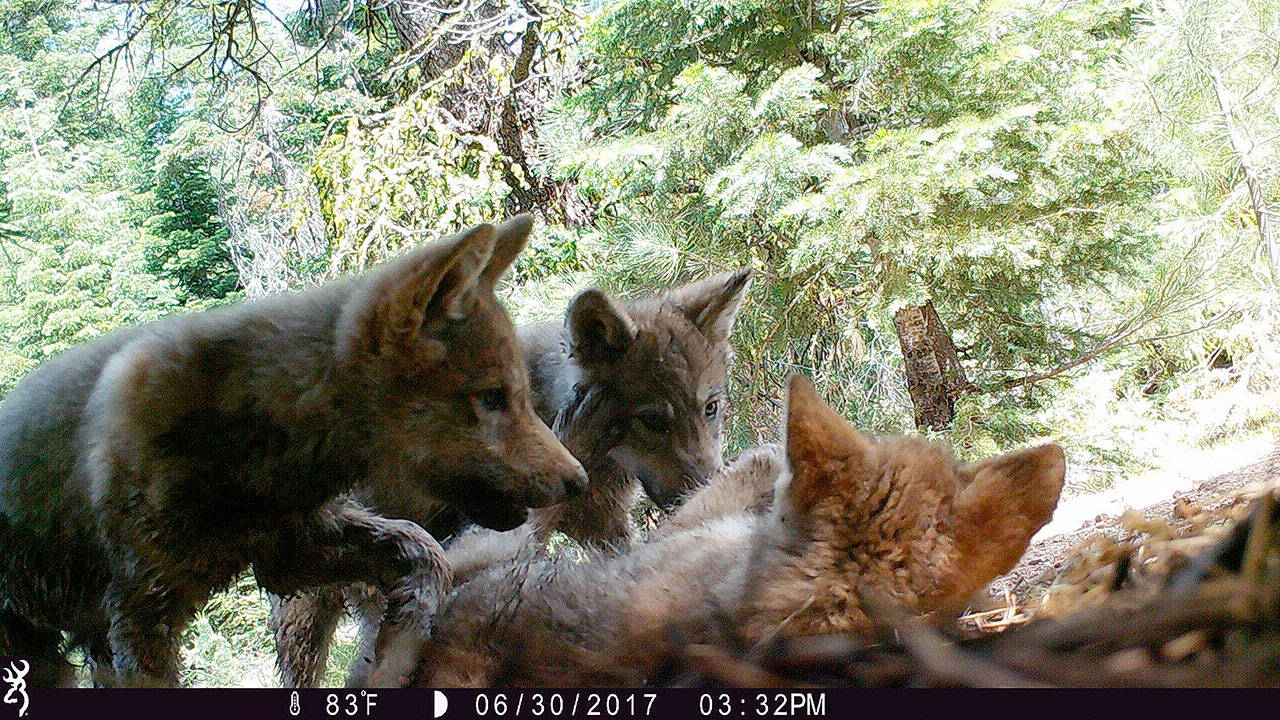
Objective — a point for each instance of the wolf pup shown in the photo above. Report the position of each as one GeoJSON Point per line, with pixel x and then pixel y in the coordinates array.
{"type": "Point", "coordinates": [145, 469]}
{"type": "Point", "coordinates": [635, 390]}
{"type": "Point", "coordinates": [898, 514]}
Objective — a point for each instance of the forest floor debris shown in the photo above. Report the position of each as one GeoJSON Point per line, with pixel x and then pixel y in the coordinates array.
{"type": "Point", "coordinates": [1075, 569]}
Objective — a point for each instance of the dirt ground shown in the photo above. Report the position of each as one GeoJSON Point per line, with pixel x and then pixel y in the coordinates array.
{"type": "Point", "coordinates": [1047, 557]}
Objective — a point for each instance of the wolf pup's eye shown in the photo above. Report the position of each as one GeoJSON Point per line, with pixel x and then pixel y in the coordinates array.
{"type": "Point", "coordinates": [712, 409]}
{"type": "Point", "coordinates": [653, 421]}
{"type": "Point", "coordinates": [493, 399]}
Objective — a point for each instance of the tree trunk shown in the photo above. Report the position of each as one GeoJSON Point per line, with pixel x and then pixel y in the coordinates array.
{"type": "Point", "coordinates": [935, 378]}
{"type": "Point", "coordinates": [527, 192]}
{"type": "Point", "coordinates": [428, 39]}
{"type": "Point", "coordinates": [415, 24]}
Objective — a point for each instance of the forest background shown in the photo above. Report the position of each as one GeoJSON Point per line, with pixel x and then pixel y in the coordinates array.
{"type": "Point", "coordinates": [989, 222]}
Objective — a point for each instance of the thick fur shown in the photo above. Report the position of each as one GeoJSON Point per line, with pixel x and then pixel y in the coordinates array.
{"type": "Point", "coordinates": [635, 390]}
{"type": "Point", "coordinates": [144, 470]}
{"type": "Point", "coordinates": [898, 514]}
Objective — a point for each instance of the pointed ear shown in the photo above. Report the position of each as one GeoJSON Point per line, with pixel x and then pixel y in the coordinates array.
{"type": "Point", "coordinates": [825, 453]}
{"type": "Point", "coordinates": [599, 328]}
{"type": "Point", "coordinates": [510, 238]}
{"type": "Point", "coordinates": [446, 288]}
{"type": "Point", "coordinates": [1007, 500]}
{"type": "Point", "coordinates": [438, 281]}
{"type": "Point", "coordinates": [712, 304]}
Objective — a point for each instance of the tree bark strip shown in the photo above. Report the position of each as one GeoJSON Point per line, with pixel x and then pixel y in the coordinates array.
{"type": "Point", "coordinates": [935, 377]}
{"type": "Point", "coordinates": [527, 192]}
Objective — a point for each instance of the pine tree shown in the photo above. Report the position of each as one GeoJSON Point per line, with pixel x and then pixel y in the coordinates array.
{"type": "Point", "coordinates": [876, 163]}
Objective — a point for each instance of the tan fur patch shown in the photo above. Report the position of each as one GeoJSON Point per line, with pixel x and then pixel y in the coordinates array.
{"type": "Point", "coordinates": [898, 514]}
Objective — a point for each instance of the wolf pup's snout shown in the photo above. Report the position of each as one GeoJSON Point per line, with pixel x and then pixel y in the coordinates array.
{"type": "Point", "coordinates": [540, 470]}
{"type": "Point", "coordinates": [566, 475]}
{"type": "Point", "coordinates": [577, 484]}
{"type": "Point", "coordinates": [668, 497]}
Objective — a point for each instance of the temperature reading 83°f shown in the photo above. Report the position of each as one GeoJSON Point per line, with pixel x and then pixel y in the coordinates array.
{"type": "Point", "coordinates": [350, 704]}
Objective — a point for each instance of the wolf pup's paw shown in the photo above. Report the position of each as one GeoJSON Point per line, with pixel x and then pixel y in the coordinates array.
{"type": "Point", "coordinates": [396, 661]}
{"type": "Point", "coordinates": [757, 470]}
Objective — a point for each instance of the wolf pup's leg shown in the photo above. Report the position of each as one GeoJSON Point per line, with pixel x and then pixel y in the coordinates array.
{"type": "Point", "coordinates": [152, 593]}
{"type": "Point", "coordinates": [345, 543]}
{"type": "Point", "coordinates": [368, 606]}
{"type": "Point", "coordinates": [42, 647]}
{"type": "Point", "coordinates": [476, 549]}
{"type": "Point", "coordinates": [303, 624]}
{"type": "Point", "coordinates": [143, 636]}
{"type": "Point", "coordinates": [102, 673]}
{"type": "Point", "coordinates": [599, 518]}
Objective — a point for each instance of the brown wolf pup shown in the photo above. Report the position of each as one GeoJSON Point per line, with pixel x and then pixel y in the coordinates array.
{"type": "Point", "coordinates": [144, 470]}
{"type": "Point", "coordinates": [899, 514]}
{"type": "Point", "coordinates": [635, 390]}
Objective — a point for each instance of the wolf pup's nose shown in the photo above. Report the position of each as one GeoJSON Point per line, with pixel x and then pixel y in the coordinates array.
{"type": "Point", "coordinates": [577, 484]}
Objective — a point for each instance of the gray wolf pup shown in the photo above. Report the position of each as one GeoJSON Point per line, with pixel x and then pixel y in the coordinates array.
{"type": "Point", "coordinates": [144, 470]}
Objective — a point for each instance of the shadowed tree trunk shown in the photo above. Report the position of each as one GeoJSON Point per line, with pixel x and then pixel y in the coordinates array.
{"type": "Point", "coordinates": [419, 27]}
{"type": "Point", "coordinates": [935, 378]}
{"type": "Point", "coordinates": [528, 192]}
{"type": "Point", "coordinates": [437, 41]}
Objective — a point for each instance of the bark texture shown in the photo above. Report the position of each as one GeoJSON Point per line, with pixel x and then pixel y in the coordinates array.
{"type": "Point", "coordinates": [935, 377]}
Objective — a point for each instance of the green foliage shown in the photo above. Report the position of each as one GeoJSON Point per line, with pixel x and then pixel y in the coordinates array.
{"type": "Point", "coordinates": [77, 270]}
{"type": "Point", "coordinates": [410, 176]}
{"type": "Point", "coordinates": [638, 48]}
{"type": "Point", "coordinates": [225, 645]}
{"type": "Point", "coordinates": [41, 56]}
{"type": "Point", "coordinates": [961, 152]}
{"type": "Point", "coordinates": [32, 26]}
{"type": "Point", "coordinates": [72, 264]}
{"type": "Point", "coordinates": [1170, 90]}
{"type": "Point", "coordinates": [191, 248]}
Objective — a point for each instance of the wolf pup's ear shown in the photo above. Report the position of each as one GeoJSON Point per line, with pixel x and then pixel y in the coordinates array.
{"type": "Point", "coordinates": [391, 305]}
{"type": "Point", "coordinates": [444, 286]}
{"type": "Point", "coordinates": [1007, 500]}
{"type": "Point", "coordinates": [599, 328]}
{"type": "Point", "coordinates": [509, 239]}
{"type": "Point", "coordinates": [827, 456]}
{"type": "Point", "coordinates": [712, 304]}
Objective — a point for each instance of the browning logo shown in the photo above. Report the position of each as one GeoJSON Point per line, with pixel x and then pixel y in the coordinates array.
{"type": "Point", "coordinates": [16, 678]}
